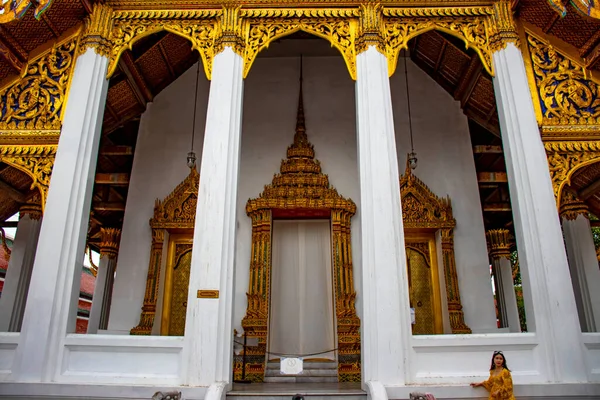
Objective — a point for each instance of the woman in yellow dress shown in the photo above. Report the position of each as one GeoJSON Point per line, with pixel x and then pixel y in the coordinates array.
{"type": "Point", "coordinates": [499, 384]}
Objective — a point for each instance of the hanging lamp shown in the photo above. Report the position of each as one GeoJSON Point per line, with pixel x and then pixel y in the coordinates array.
{"type": "Point", "coordinates": [412, 156]}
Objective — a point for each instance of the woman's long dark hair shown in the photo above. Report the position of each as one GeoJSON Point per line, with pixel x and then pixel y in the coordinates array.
{"type": "Point", "coordinates": [503, 360]}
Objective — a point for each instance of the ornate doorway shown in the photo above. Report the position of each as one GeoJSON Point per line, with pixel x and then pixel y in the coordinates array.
{"type": "Point", "coordinates": [301, 190]}
{"type": "Point", "coordinates": [427, 216]}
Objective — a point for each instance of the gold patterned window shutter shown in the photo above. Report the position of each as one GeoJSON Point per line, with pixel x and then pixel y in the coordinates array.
{"type": "Point", "coordinates": [423, 210]}
{"type": "Point", "coordinates": [175, 213]}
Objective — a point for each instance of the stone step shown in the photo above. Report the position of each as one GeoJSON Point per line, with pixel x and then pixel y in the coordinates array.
{"type": "Point", "coordinates": [310, 391]}
{"type": "Point", "coordinates": [307, 365]}
{"type": "Point", "coordinates": [300, 379]}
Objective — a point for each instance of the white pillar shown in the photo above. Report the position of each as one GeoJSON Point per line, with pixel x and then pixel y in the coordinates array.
{"type": "Point", "coordinates": [386, 326]}
{"type": "Point", "coordinates": [109, 249]}
{"type": "Point", "coordinates": [500, 243]}
{"type": "Point", "coordinates": [208, 343]}
{"type": "Point", "coordinates": [585, 273]}
{"type": "Point", "coordinates": [18, 276]}
{"type": "Point", "coordinates": [51, 308]}
{"type": "Point", "coordinates": [550, 304]}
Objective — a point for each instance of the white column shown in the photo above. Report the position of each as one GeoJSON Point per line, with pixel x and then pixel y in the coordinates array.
{"type": "Point", "coordinates": [550, 304]}
{"type": "Point", "coordinates": [18, 276]}
{"type": "Point", "coordinates": [208, 343]}
{"type": "Point", "coordinates": [385, 329]}
{"type": "Point", "coordinates": [102, 294]}
{"type": "Point", "coordinates": [503, 268]}
{"type": "Point", "coordinates": [585, 273]}
{"type": "Point", "coordinates": [109, 249]}
{"type": "Point", "coordinates": [51, 308]}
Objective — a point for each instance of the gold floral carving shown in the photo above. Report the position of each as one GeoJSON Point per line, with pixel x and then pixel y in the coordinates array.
{"type": "Point", "coordinates": [421, 209]}
{"type": "Point", "coordinates": [370, 28]}
{"type": "Point", "coordinates": [230, 31]}
{"type": "Point", "coordinates": [564, 158]}
{"type": "Point", "coordinates": [566, 96]}
{"type": "Point", "coordinates": [7, 250]}
{"type": "Point", "coordinates": [35, 161]}
{"type": "Point", "coordinates": [338, 26]}
{"type": "Point", "coordinates": [176, 211]}
{"type": "Point", "coordinates": [571, 205]}
{"type": "Point", "coordinates": [198, 26]}
{"type": "Point", "coordinates": [36, 100]}
{"type": "Point", "coordinates": [499, 243]}
{"type": "Point", "coordinates": [97, 30]}
{"type": "Point", "coordinates": [109, 245]}
{"type": "Point", "coordinates": [301, 185]}
{"type": "Point", "coordinates": [502, 28]}
{"type": "Point", "coordinates": [471, 24]}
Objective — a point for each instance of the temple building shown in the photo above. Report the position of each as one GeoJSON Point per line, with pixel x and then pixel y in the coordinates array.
{"type": "Point", "coordinates": [348, 199]}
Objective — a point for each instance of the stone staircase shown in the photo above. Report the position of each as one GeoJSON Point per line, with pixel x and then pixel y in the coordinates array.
{"type": "Point", "coordinates": [313, 372]}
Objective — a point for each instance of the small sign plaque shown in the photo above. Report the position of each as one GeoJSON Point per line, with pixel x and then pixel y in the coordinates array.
{"type": "Point", "coordinates": [208, 294]}
{"type": "Point", "coordinates": [291, 366]}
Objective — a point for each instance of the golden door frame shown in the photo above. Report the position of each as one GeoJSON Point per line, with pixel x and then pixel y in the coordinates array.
{"type": "Point", "coordinates": [301, 190]}
{"type": "Point", "coordinates": [415, 239]}
{"type": "Point", "coordinates": [175, 214]}
{"type": "Point", "coordinates": [423, 211]}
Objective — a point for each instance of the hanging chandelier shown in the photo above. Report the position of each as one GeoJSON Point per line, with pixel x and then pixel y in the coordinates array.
{"type": "Point", "coordinates": [191, 156]}
{"type": "Point", "coordinates": [412, 156]}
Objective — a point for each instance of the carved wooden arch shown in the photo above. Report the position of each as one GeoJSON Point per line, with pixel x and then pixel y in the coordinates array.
{"type": "Point", "coordinates": [337, 26]}
{"type": "Point", "coordinates": [176, 211]}
{"type": "Point", "coordinates": [471, 25]}
{"type": "Point", "coordinates": [198, 26]}
{"type": "Point", "coordinates": [422, 209]}
{"type": "Point", "coordinates": [566, 158]}
{"type": "Point", "coordinates": [301, 188]}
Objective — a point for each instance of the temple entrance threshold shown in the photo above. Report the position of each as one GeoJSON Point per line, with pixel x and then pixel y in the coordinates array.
{"type": "Point", "coordinates": [312, 391]}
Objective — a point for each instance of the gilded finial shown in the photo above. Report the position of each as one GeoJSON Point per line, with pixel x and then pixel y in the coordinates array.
{"type": "Point", "coordinates": [300, 138]}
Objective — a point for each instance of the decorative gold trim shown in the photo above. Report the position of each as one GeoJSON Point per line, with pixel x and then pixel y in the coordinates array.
{"type": "Point", "coordinates": [207, 294]}
{"type": "Point", "coordinates": [32, 208]}
{"type": "Point", "coordinates": [502, 26]}
{"type": "Point", "coordinates": [571, 205]}
{"type": "Point", "coordinates": [471, 24]}
{"type": "Point", "coordinates": [564, 158]}
{"type": "Point", "coordinates": [109, 245]}
{"type": "Point", "coordinates": [499, 243]}
{"type": "Point", "coordinates": [35, 161]}
{"type": "Point", "coordinates": [301, 185]}
{"type": "Point", "coordinates": [264, 26]}
{"type": "Point", "coordinates": [370, 28]}
{"type": "Point", "coordinates": [176, 211]}
{"type": "Point", "coordinates": [97, 30]}
{"type": "Point", "coordinates": [421, 209]}
{"type": "Point", "coordinates": [230, 31]}
{"type": "Point", "coordinates": [198, 26]}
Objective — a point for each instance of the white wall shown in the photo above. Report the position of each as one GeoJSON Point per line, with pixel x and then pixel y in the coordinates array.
{"type": "Point", "coordinates": [445, 163]}
{"type": "Point", "coordinates": [270, 104]}
{"type": "Point", "coordinates": [159, 165]}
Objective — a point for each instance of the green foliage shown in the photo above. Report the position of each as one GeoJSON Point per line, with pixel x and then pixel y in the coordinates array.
{"type": "Point", "coordinates": [514, 260]}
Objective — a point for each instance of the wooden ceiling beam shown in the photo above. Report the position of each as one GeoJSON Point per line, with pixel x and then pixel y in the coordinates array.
{"type": "Point", "coordinates": [117, 178]}
{"type": "Point", "coordinates": [87, 5]}
{"type": "Point", "coordinates": [493, 129]}
{"type": "Point", "coordinates": [589, 191]}
{"type": "Point", "coordinates": [591, 46]}
{"type": "Point", "coordinates": [12, 192]}
{"type": "Point", "coordinates": [135, 79]}
{"type": "Point", "coordinates": [438, 62]}
{"type": "Point", "coordinates": [116, 151]}
{"type": "Point", "coordinates": [163, 53]}
{"type": "Point", "coordinates": [468, 80]}
{"type": "Point", "coordinates": [109, 206]}
{"type": "Point", "coordinates": [487, 149]}
{"type": "Point", "coordinates": [497, 207]}
{"type": "Point", "coordinates": [492, 177]}
{"type": "Point", "coordinates": [550, 24]}
{"type": "Point", "coordinates": [14, 58]}
{"type": "Point", "coordinates": [51, 26]}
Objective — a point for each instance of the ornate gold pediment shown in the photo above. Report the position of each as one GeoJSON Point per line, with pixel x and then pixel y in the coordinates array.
{"type": "Point", "coordinates": [178, 209]}
{"type": "Point", "coordinates": [421, 208]}
{"type": "Point", "coordinates": [300, 183]}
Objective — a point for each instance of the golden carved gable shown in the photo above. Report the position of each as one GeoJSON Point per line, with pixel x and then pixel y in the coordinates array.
{"type": "Point", "coordinates": [421, 208]}
{"type": "Point", "coordinates": [178, 209]}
